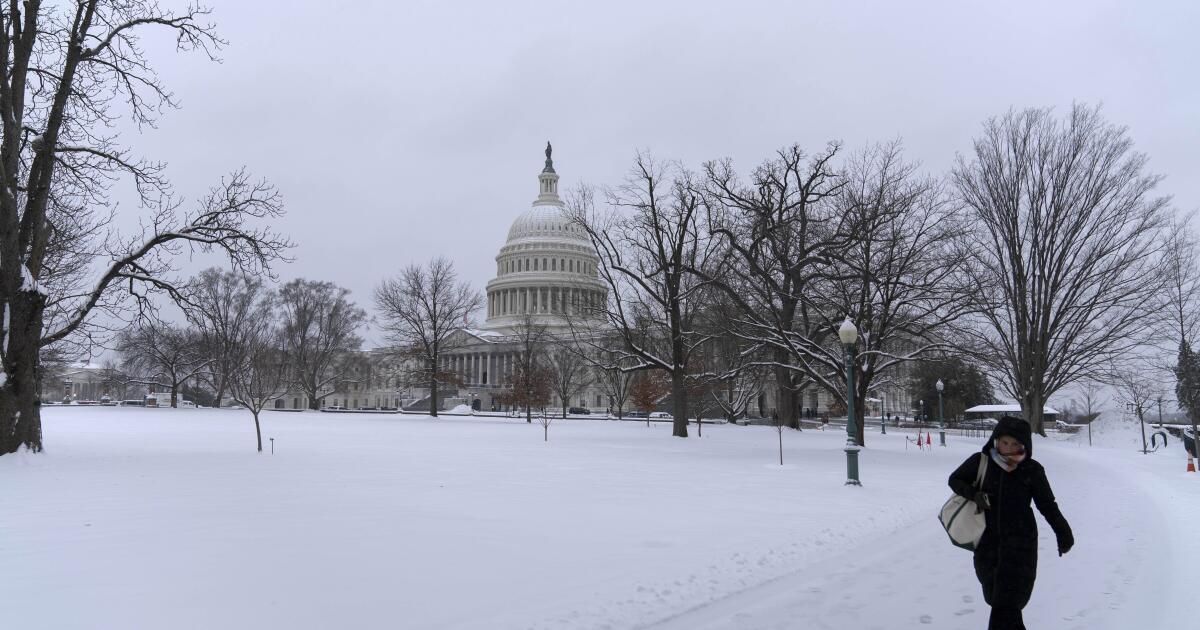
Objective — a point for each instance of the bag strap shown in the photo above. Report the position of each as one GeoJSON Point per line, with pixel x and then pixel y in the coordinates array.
{"type": "Point", "coordinates": [983, 459]}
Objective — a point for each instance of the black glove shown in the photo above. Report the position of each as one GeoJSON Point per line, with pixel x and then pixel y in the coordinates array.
{"type": "Point", "coordinates": [1065, 542]}
{"type": "Point", "coordinates": [982, 501]}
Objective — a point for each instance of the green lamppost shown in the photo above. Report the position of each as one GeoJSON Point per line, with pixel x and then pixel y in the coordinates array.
{"type": "Point", "coordinates": [941, 414]}
{"type": "Point", "coordinates": [849, 335]}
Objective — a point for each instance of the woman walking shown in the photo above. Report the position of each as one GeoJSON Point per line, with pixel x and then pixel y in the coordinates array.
{"type": "Point", "coordinates": [1006, 556]}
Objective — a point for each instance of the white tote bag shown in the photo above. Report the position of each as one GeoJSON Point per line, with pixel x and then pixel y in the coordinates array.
{"type": "Point", "coordinates": [965, 523]}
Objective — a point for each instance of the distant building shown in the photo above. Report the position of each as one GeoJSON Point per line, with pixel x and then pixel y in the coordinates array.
{"type": "Point", "coordinates": [1049, 414]}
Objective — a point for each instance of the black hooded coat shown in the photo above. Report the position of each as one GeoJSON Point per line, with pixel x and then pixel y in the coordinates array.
{"type": "Point", "coordinates": [1006, 556]}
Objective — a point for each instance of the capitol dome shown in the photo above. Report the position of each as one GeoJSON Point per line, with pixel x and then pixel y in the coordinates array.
{"type": "Point", "coordinates": [545, 221]}
{"type": "Point", "coordinates": [547, 268]}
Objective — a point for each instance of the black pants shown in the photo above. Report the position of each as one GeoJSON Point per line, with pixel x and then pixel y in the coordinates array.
{"type": "Point", "coordinates": [1006, 619]}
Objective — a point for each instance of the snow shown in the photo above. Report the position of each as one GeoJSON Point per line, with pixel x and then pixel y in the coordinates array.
{"type": "Point", "coordinates": [1012, 408]}
{"type": "Point", "coordinates": [1113, 430]}
{"type": "Point", "coordinates": [168, 518]}
{"type": "Point", "coordinates": [29, 283]}
{"type": "Point", "coordinates": [460, 409]}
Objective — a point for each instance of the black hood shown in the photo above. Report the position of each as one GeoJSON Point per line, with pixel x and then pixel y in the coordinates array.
{"type": "Point", "coordinates": [1014, 427]}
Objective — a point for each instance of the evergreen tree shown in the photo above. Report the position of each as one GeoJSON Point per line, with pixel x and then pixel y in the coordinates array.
{"type": "Point", "coordinates": [965, 385]}
{"type": "Point", "coordinates": [1187, 383]}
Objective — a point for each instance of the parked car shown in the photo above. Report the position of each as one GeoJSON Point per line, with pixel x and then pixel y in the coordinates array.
{"type": "Point", "coordinates": [583, 411]}
{"type": "Point", "coordinates": [662, 414]}
{"type": "Point", "coordinates": [636, 414]}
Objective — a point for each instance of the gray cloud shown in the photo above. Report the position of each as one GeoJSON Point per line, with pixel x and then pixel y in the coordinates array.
{"type": "Point", "coordinates": [400, 131]}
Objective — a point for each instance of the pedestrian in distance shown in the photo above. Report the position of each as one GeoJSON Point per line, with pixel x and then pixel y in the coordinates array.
{"type": "Point", "coordinates": [1006, 556]}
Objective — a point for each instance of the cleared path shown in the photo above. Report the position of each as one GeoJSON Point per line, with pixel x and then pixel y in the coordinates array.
{"type": "Point", "coordinates": [914, 578]}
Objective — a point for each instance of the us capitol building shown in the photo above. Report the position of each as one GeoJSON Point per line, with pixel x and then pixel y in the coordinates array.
{"type": "Point", "coordinates": [546, 274]}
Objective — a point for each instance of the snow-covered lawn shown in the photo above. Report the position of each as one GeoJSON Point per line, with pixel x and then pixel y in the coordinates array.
{"type": "Point", "coordinates": [142, 518]}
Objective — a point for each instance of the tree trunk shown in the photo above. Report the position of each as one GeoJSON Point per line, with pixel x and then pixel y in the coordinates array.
{"type": "Point", "coordinates": [679, 405]}
{"type": "Point", "coordinates": [699, 426]}
{"type": "Point", "coordinates": [1033, 406]}
{"type": "Point", "coordinates": [20, 408]}
{"type": "Point", "coordinates": [433, 395]}
{"type": "Point", "coordinates": [565, 403]}
{"type": "Point", "coordinates": [779, 428]}
{"type": "Point", "coordinates": [314, 403]}
{"type": "Point", "coordinates": [785, 397]}
{"type": "Point", "coordinates": [220, 389]}
{"type": "Point", "coordinates": [257, 431]}
{"type": "Point", "coordinates": [545, 432]}
{"type": "Point", "coordinates": [174, 394]}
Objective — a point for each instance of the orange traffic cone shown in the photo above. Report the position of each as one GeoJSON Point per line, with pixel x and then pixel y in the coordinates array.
{"type": "Point", "coordinates": [1191, 464]}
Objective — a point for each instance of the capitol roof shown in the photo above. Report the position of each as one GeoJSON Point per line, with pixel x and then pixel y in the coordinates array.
{"type": "Point", "coordinates": [545, 221]}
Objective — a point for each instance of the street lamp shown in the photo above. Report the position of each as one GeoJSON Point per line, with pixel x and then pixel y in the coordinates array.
{"type": "Point", "coordinates": [849, 335]}
{"type": "Point", "coordinates": [941, 413]}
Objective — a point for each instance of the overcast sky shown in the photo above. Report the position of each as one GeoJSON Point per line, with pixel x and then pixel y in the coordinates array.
{"type": "Point", "coordinates": [398, 131]}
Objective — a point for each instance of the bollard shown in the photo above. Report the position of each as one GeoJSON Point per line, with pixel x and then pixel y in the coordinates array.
{"type": "Point", "coordinates": [272, 445]}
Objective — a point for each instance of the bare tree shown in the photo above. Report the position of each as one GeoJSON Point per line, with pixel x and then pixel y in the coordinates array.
{"type": "Point", "coordinates": [114, 381]}
{"type": "Point", "coordinates": [1066, 249]}
{"type": "Point", "coordinates": [647, 389]}
{"type": "Point", "coordinates": [1182, 296]}
{"type": "Point", "coordinates": [1091, 391]}
{"type": "Point", "coordinates": [263, 371]}
{"type": "Point", "coordinates": [899, 281]}
{"type": "Point", "coordinates": [530, 380]}
{"type": "Point", "coordinates": [1136, 389]}
{"type": "Point", "coordinates": [783, 230]}
{"type": "Point", "coordinates": [421, 308]}
{"type": "Point", "coordinates": [648, 242]}
{"type": "Point", "coordinates": [569, 375]}
{"type": "Point", "coordinates": [874, 243]}
{"type": "Point", "coordinates": [320, 331]}
{"type": "Point", "coordinates": [170, 355]}
{"type": "Point", "coordinates": [225, 305]}
{"type": "Point", "coordinates": [69, 71]}
{"type": "Point", "coordinates": [615, 383]}
{"type": "Point", "coordinates": [733, 373]}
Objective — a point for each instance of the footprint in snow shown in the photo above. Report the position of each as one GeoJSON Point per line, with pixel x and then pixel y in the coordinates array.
{"type": "Point", "coordinates": [926, 619]}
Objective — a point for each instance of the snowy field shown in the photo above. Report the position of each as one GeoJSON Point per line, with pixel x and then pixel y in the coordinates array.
{"type": "Point", "coordinates": [143, 518]}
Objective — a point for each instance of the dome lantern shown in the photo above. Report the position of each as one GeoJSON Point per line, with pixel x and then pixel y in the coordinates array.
{"type": "Point", "coordinates": [548, 182]}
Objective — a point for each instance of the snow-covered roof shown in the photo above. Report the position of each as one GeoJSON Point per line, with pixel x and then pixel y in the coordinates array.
{"type": "Point", "coordinates": [1004, 409]}
{"type": "Point", "coordinates": [483, 334]}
